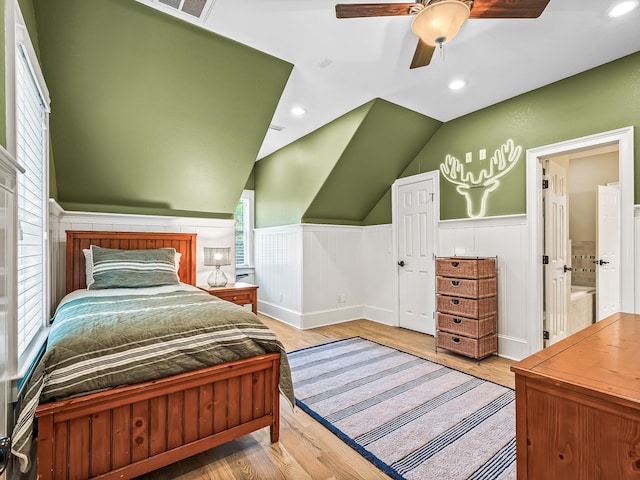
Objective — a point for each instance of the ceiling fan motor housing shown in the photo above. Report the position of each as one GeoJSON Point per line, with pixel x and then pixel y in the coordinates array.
{"type": "Point", "coordinates": [440, 21]}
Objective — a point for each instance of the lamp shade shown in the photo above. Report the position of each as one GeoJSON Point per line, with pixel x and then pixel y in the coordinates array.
{"type": "Point", "coordinates": [439, 22]}
{"type": "Point", "coordinates": [216, 256]}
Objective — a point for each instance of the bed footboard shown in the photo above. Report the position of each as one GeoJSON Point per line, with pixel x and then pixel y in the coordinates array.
{"type": "Point", "coordinates": [132, 430]}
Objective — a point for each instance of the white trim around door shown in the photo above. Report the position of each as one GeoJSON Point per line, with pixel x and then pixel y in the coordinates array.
{"type": "Point", "coordinates": [624, 139]}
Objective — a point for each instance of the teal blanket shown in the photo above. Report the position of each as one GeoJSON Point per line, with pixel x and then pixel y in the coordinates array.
{"type": "Point", "coordinates": [97, 343]}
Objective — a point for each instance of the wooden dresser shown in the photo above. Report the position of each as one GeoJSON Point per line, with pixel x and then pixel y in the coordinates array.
{"type": "Point", "coordinates": [578, 405]}
{"type": "Point", "coordinates": [467, 305]}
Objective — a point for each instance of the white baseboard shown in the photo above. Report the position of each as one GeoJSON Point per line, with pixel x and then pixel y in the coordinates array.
{"type": "Point", "coordinates": [379, 315]}
{"type": "Point", "coordinates": [331, 317]}
{"type": "Point", "coordinates": [309, 320]}
{"type": "Point", "coordinates": [281, 314]}
{"type": "Point", "coordinates": [513, 348]}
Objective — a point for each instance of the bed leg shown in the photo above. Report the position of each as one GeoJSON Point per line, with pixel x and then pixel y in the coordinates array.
{"type": "Point", "coordinates": [275, 395]}
{"type": "Point", "coordinates": [275, 424]}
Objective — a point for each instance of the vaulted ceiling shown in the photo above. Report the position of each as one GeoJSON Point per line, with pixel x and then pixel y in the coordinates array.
{"type": "Point", "coordinates": [340, 64]}
{"type": "Point", "coordinates": [155, 114]}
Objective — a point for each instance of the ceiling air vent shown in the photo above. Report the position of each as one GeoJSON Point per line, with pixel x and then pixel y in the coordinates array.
{"type": "Point", "coordinates": [194, 8]}
{"type": "Point", "coordinates": [277, 128]}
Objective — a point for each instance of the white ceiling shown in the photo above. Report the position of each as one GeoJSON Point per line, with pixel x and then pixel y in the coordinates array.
{"type": "Point", "coordinates": [339, 64]}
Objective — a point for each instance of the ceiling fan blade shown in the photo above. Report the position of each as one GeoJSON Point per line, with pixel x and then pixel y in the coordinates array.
{"type": "Point", "coordinates": [508, 8]}
{"type": "Point", "coordinates": [423, 55]}
{"type": "Point", "coordinates": [356, 10]}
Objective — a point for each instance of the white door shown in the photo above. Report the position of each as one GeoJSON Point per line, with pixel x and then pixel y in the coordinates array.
{"type": "Point", "coordinates": [556, 277]}
{"type": "Point", "coordinates": [608, 252]}
{"type": "Point", "coordinates": [416, 264]}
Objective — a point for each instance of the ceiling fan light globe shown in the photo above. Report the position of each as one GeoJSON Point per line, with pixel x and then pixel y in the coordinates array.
{"type": "Point", "coordinates": [439, 22]}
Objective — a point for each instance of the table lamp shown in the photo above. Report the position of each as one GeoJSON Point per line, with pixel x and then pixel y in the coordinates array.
{"type": "Point", "coordinates": [218, 257]}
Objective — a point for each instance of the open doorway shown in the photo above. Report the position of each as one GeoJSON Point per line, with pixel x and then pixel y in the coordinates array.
{"type": "Point", "coordinates": [535, 307]}
{"type": "Point", "coordinates": [581, 212]}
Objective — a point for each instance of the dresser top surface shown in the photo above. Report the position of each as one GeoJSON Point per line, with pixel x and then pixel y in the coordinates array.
{"type": "Point", "coordinates": [603, 358]}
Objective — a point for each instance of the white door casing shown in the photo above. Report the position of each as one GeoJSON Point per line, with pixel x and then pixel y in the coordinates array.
{"type": "Point", "coordinates": [623, 138]}
{"type": "Point", "coordinates": [415, 215]}
{"type": "Point", "coordinates": [608, 248]}
{"type": "Point", "coordinates": [557, 278]}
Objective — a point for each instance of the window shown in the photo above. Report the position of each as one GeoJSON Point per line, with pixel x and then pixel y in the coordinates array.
{"type": "Point", "coordinates": [32, 147]}
{"type": "Point", "coordinates": [244, 229]}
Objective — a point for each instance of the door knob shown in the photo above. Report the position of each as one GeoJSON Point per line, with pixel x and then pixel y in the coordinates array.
{"type": "Point", "coordinates": [401, 263]}
{"type": "Point", "coordinates": [600, 262]}
{"type": "Point", "coordinates": [567, 269]}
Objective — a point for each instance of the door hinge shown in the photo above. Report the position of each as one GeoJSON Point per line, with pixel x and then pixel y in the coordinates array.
{"type": "Point", "coordinates": [545, 335]}
{"type": "Point", "coordinates": [545, 259]}
{"type": "Point", "coordinates": [545, 183]}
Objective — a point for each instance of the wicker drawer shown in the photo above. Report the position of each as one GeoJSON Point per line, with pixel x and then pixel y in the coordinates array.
{"type": "Point", "coordinates": [471, 347]}
{"type": "Point", "coordinates": [485, 287]}
{"type": "Point", "coordinates": [467, 326]}
{"type": "Point", "coordinates": [462, 267]}
{"type": "Point", "coordinates": [467, 307]}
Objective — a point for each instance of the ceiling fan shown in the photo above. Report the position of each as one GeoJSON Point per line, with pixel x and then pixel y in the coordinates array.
{"type": "Point", "coordinates": [436, 22]}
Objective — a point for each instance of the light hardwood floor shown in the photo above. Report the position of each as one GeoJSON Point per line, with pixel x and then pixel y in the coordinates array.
{"type": "Point", "coordinates": [306, 449]}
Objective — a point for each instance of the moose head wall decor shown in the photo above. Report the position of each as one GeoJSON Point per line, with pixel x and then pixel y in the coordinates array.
{"type": "Point", "coordinates": [476, 189]}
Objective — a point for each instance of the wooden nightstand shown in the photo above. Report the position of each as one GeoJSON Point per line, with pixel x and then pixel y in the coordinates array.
{"type": "Point", "coordinates": [240, 293]}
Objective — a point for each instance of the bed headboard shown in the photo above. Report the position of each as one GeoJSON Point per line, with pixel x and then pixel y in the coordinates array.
{"type": "Point", "coordinates": [184, 243]}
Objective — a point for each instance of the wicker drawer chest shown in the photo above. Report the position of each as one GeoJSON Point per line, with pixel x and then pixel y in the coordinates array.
{"type": "Point", "coordinates": [467, 306]}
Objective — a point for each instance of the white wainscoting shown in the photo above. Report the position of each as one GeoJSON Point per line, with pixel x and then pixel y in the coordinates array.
{"type": "Point", "coordinates": [278, 261]}
{"type": "Point", "coordinates": [312, 275]}
{"type": "Point", "coordinates": [507, 238]}
{"type": "Point", "coordinates": [380, 297]}
{"type": "Point", "coordinates": [211, 232]}
{"type": "Point", "coordinates": [331, 274]}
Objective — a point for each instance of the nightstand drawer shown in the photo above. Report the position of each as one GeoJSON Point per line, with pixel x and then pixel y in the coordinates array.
{"type": "Point", "coordinates": [239, 293]}
{"type": "Point", "coordinates": [235, 297]}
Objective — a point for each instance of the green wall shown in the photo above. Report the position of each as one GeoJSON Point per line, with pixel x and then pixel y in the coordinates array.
{"type": "Point", "coordinates": [153, 115]}
{"type": "Point", "coordinates": [339, 173]}
{"type": "Point", "coordinates": [287, 181]}
{"type": "Point", "coordinates": [598, 100]}
{"type": "Point", "coordinates": [601, 99]}
{"type": "Point", "coordinates": [149, 113]}
{"type": "Point", "coordinates": [387, 139]}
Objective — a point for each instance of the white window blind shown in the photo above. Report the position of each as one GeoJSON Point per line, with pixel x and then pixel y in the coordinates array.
{"type": "Point", "coordinates": [243, 217]}
{"type": "Point", "coordinates": [31, 145]}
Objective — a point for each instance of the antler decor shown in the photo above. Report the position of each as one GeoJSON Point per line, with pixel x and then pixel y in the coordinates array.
{"type": "Point", "coordinates": [476, 190]}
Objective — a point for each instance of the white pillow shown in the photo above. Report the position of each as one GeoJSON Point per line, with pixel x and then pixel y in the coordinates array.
{"type": "Point", "coordinates": [88, 264]}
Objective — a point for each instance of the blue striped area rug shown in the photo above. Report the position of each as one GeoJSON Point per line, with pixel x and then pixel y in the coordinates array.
{"type": "Point", "coordinates": [412, 418]}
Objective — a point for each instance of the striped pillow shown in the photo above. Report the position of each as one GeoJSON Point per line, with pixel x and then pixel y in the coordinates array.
{"type": "Point", "coordinates": [114, 268]}
{"type": "Point", "coordinates": [88, 263]}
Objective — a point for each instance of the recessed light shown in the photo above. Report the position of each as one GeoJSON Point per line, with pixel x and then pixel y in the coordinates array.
{"type": "Point", "coordinates": [622, 8]}
{"type": "Point", "coordinates": [298, 111]}
{"type": "Point", "coordinates": [457, 84]}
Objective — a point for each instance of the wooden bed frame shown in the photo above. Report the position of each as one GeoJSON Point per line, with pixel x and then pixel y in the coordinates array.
{"type": "Point", "coordinates": [131, 430]}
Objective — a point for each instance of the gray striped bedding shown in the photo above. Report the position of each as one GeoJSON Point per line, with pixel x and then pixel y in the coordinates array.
{"type": "Point", "coordinates": [100, 342]}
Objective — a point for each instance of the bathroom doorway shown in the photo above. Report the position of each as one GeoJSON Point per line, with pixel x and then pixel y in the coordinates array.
{"type": "Point", "coordinates": [581, 239]}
